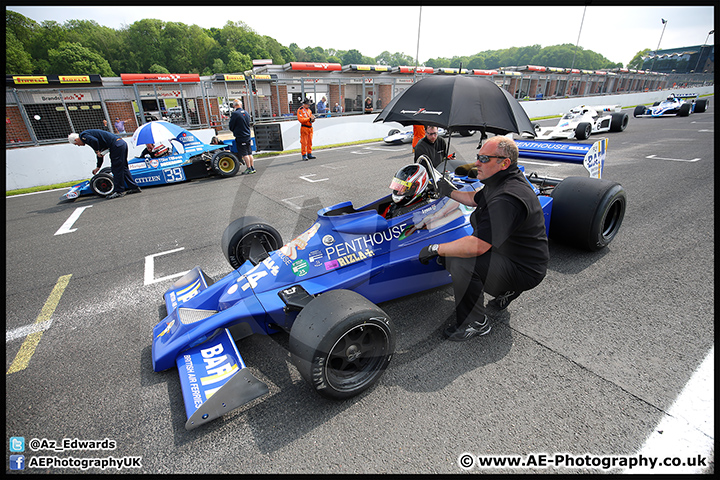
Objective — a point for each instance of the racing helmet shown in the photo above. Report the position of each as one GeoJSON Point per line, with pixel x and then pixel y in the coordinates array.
{"type": "Point", "coordinates": [409, 184]}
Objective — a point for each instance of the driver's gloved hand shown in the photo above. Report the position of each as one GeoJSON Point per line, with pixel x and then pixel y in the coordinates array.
{"type": "Point", "coordinates": [428, 253]}
{"type": "Point", "coordinates": [445, 188]}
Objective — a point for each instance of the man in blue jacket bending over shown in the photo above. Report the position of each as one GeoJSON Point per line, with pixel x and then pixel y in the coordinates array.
{"type": "Point", "coordinates": [100, 140]}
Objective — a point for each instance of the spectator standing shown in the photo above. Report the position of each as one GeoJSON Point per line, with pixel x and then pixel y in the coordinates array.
{"type": "Point", "coordinates": [322, 106]}
{"type": "Point", "coordinates": [119, 125]}
{"type": "Point", "coordinates": [368, 105]}
{"type": "Point", "coordinates": [240, 126]}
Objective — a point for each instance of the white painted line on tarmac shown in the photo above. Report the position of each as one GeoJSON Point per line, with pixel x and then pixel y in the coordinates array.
{"type": "Point", "coordinates": [655, 157]}
{"type": "Point", "coordinates": [65, 228]}
{"type": "Point", "coordinates": [687, 431]}
{"type": "Point", "coordinates": [150, 268]}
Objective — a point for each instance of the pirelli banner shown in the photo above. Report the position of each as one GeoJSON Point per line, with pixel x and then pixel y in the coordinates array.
{"type": "Point", "coordinates": [367, 68]}
{"type": "Point", "coordinates": [132, 78]}
{"type": "Point", "coordinates": [52, 80]}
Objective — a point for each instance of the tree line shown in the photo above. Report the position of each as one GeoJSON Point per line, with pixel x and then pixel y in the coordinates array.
{"type": "Point", "coordinates": [154, 46]}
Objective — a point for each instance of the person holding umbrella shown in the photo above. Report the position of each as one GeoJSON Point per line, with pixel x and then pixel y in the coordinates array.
{"type": "Point", "coordinates": [507, 252]}
{"type": "Point", "coordinates": [306, 119]}
{"type": "Point", "coordinates": [432, 146]}
{"type": "Point", "coordinates": [101, 141]}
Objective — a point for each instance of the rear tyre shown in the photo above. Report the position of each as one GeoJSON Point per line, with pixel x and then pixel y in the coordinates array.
{"type": "Point", "coordinates": [619, 121]}
{"type": "Point", "coordinates": [341, 343]}
{"type": "Point", "coordinates": [639, 110]}
{"type": "Point", "coordinates": [466, 133]}
{"type": "Point", "coordinates": [102, 184]}
{"type": "Point", "coordinates": [225, 164]}
{"type": "Point", "coordinates": [583, 130]}
{"type": "Point", "coordinates": [393, 132]}
{"type": "Point", "coordinates": [587, 212]}
{"type": "Point", "coordinates": [248, 238]}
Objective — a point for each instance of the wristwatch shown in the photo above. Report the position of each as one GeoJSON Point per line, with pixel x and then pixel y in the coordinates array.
{"type": "Point", "coordinates": [433, 248]}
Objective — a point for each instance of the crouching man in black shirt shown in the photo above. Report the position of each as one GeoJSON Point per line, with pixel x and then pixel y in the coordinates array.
{"type": "Point", "coordinates": [508, 250]}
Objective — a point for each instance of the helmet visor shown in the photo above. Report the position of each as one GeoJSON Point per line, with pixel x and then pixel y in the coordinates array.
{"type": "Point", "coordinates": [401, 187]}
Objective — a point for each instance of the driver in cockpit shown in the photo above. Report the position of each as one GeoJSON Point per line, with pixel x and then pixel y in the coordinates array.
{"type": "Point", "coordinates": [409, 188]}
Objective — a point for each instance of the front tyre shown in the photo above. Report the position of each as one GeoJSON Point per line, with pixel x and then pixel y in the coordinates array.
{"type": "Point", "coordinates": [341, 343]}
{"type": "Point", "coordinates": [587, 212]}
{"type": "Point", "coordinates": [102, 184]}
{"type": "Point", "coordinates": [249, 238]}
{"type": "Point", "coordinates": [225, 164]}
{"type": "Point", "coordinates": [583, 131]}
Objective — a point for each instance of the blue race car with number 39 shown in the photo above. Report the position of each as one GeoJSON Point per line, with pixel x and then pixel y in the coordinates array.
{"type": "Point", "coordinates": [324, 286]}
{"type": "Point", "coordinates": [189, 159]}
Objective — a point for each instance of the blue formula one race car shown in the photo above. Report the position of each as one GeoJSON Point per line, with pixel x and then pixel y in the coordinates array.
{"type": "Point", "coordinates": [188, 159]}
{"type": "Point", "coordinates": [675, 105]}
{"type": "Point", "coordinates": [323, 287]}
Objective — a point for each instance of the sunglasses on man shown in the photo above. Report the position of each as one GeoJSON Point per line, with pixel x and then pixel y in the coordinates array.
{"type": "Point", "coordinates": [486, 158]}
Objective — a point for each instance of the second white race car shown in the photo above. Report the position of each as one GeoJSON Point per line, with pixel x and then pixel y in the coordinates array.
{"type": "Point", "coordinates": [397, 137]}
{"type": "Point", "coordinates": [582, 121]}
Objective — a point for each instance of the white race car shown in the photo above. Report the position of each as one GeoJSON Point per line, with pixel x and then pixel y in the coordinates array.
{"type": "Point", "coordinates": [397, 137]}
{"type": "Point", "coordinates": [584, 120]}
{"type": "Point", "coordinates": [680, 105]}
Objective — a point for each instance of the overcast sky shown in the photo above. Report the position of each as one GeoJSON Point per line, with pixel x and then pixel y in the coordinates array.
{"type": "Point", "coordinates": [617, 33]}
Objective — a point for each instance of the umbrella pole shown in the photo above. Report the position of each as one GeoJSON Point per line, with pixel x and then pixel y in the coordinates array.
{"type": "Point", "coordinates": [447, 152]}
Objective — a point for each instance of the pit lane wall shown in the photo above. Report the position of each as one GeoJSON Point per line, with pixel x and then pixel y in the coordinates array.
{"type": "Point", "coordinates": [50, 164]}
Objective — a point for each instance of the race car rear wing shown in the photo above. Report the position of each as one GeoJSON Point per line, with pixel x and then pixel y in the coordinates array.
{"type": "Point", "coordinates": [590, 155]}
{"type": "Point", "coordinates": [685, 95]}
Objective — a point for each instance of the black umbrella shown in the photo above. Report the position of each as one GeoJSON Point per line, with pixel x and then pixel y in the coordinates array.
{"type": "Point", "coordinates": [458, 102]}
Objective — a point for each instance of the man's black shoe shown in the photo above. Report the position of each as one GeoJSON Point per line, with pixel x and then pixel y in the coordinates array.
{"type": "Point", "coordinates": [311, 156]}
{"type": "Point", "coordinates": [115, 195]}
{"type": "Point", "coordinates": [465, 332]}
{"type": "Point", "coordinates": [135, 190]}
{"type": "Point", "coordinates": [502, 301]}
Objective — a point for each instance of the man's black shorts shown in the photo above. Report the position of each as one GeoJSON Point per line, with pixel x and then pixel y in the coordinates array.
{"type": "Point", "coordinates": [244, 149]}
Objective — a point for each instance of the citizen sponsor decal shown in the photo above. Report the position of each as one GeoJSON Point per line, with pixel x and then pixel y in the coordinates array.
{"type": "Point", "coordinates": [149, 179]}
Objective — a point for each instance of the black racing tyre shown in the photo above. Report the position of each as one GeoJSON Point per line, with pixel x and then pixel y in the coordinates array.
{"type": "Point", "coordinates": [583, 131]}
{"type": "Point", "coordinates": [701, 106]}
{"type": "Point", "coordinates": [249, 238]}
{"type": "Point", "coordinates": [225, 163]}
{"type": "Point", "coordinates": [656, 104]}
{"type": "Point", "coordinates": [466, 133]}
{"type": "Point", "coordinates": [685, 109]}
{"type": "Point", "coordinates": [341, 343]}
{"type": "Point", "coordinates": [619, 121]}
{"type": "Point", "coordinates": [105, 170]}
{"type": "Point", "coordinates": [392, 132]}
{"type": "Point", "coordinates": [587, 212]}
{"type": "Point", "coordinates": [102, 184]}
{"type": "Point", "coordinates": [639, 110]}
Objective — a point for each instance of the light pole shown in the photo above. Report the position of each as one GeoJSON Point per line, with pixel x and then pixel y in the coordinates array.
{"type": "Point", "coordinates": [701, 48]}
{"type": "Point", "coordinates": [658, 47]}
{"type": "Point", "coordinates": [578, 39]}
{"type": "Point", "coordinates": [417, 51]}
